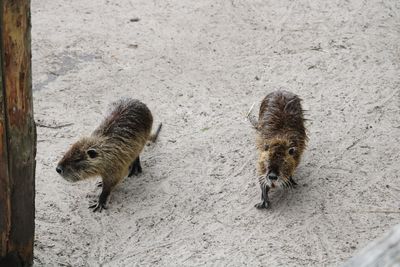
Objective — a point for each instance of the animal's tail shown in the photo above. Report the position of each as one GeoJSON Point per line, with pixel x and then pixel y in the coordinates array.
{"type": "Point", "coordinates": [153, 137]}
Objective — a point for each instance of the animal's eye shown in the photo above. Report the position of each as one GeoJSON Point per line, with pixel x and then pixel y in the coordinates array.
{"type": "Point", "coordinates": [92, 153]}
{"type": "Point", "coordinates": [266, 147]}
{"type": "Point", "coordinates": [291, 151]}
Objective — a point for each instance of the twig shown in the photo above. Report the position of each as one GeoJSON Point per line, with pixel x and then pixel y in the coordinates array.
{"type": "Point", "coordinates": [380, 105]}
{"type": "Point", "coordinates": [377, 211]}
{"type": "Point", "coordinates": [38, 124]}
{"type": "Point", "coordinates": [251, 118]}
{"type": "Point", "coordinates": [353, 144]}
{"type": "Point", "coordinates": [250, 110]}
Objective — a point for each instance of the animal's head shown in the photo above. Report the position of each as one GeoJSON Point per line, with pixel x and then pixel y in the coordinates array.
{"type": "Point", "coordinates": [81, 161]}
{"type": "Point", "coordinates": [281, 157]}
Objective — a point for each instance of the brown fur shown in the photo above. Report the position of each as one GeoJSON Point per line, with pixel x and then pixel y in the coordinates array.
{"type": "Point", "coordinates": [280, 132]}
{"type": "Point", "coordinates": [112, 151]}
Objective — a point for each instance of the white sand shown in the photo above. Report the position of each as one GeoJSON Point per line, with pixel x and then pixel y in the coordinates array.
{"type": "Point", "coordinates": [195, 64]}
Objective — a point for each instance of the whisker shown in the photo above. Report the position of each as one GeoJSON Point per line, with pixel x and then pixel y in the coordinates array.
{"type": "Point", "coordinates": [287, 183]}
{"type": "Point", "coordinates": [290, 184]}
{"type": "Point", "coordinates": [282, 183]}
{"type": "Point", "coordinates": [264, 181]}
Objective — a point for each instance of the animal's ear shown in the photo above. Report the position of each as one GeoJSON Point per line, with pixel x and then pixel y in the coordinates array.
{"type": "Point", "coordinates": [92, 153]}
{"type": "Point", "coordinates": [293, 105]}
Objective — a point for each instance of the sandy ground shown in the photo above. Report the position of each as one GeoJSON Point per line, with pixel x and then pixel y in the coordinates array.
{"type": "Point", "coordinates": [200, 65]}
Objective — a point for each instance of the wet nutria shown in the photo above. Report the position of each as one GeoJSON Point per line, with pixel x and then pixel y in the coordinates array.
{"type": "Point", "coordinates": [112, 151]}
{"type": "Point", "coordinates": [281, 140]}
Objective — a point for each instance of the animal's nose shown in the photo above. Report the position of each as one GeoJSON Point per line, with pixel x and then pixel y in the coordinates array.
{"type": "Point", "coordinates": [272, 176]}
{"type": "Point", "coordinates": [59, 169]}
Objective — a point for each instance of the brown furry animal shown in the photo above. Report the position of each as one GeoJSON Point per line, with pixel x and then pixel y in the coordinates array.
{"type": "Point", "coordinates": [281, 140]}
{"type": "Point", "coordinates": [112, 151]}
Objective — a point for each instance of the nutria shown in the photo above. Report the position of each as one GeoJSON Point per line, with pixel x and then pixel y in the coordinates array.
{"type": "Point", "coordinates": [112, 151]}
{"type": "Point", "coordinates": [281, 140]}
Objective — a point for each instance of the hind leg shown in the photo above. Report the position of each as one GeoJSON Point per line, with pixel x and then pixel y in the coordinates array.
{"type": "Point", "coordinates": [135, 168]}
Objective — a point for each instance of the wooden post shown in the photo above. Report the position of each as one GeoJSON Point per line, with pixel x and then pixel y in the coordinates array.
{"type": "Point", "coordinates": [17, 136]}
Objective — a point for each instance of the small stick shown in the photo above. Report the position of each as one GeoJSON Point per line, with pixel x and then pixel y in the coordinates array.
{"type": "Point", "coordinates": [353, 144]}
{"type": "Point", "coordinates": [38, 124]}
{"type": "Point", "coordinates": [250, 110]}
{"type": "Point", "coordinates": [378, 211]}
{"type": "Point", "coordinates": [251, 118]}
{"type": "Point", "coordinates": [153, 137]}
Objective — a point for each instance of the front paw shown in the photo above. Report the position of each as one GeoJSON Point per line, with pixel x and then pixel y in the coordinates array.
{"type": "Point", "coordinates": [97, 206]}
{"type": "Point", "coordinates": [263, 205]}
{"type": "Point", "coordinates": [135, 170]}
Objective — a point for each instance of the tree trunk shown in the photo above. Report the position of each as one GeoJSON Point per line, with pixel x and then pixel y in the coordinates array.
{"type": "Point", "coordinates": [17, 136]}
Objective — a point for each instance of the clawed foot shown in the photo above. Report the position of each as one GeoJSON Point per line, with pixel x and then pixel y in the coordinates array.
{"type": "Point", "coordinates": [263, 205]}
{"type": "Point", "coordinates": [136, 167]}
{"type": "Point", "coordinates": [135, 170]}
{"type": "Point", "coordinates": [97, 206]}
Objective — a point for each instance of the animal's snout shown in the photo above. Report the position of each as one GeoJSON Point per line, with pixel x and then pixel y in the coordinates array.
{"type": "Point", "coordinates": [59, 169]}
{"type": "Point", "coordinates": [272, 176]}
